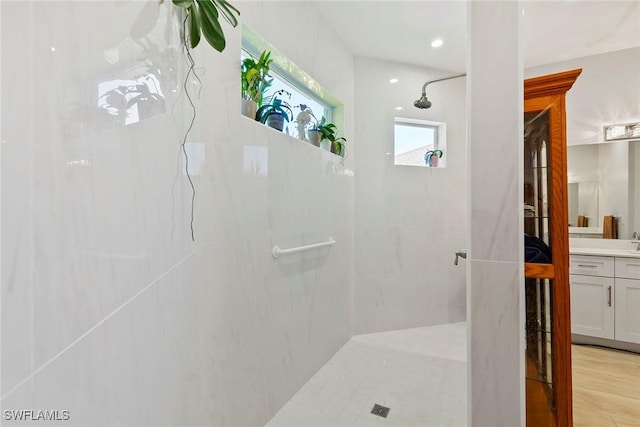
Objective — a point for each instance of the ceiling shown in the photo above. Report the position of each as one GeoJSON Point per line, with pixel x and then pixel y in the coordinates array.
{"type": "Point", "coordinates": [553, 31]}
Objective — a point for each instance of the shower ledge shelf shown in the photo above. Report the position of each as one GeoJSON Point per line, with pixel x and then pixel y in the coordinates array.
{"type": "Point", "coordinates": [293, 138]}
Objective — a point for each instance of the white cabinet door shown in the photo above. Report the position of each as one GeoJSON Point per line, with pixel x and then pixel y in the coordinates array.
{"type": "Point", "coordinates": [592, 306]}
{"type": "Point", "coordinates": [628, 310]}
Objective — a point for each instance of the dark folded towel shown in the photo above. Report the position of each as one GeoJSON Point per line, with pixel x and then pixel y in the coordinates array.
{"type": "Point", "coordinates": [536, 250]}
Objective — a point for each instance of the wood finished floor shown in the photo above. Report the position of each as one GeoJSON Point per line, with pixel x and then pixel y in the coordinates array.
{"type": "Point", "coordinates": [606, 387]}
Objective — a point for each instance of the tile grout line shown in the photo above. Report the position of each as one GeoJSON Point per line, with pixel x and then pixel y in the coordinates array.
{"type": "Point", "coordinates": [1, 145]}
{"type": "Point", "coordinates": [493, 261]}
{"type": "Point", "coordinates": [32, 199]}
{"type": "Point", "coordinates": [97, 325]}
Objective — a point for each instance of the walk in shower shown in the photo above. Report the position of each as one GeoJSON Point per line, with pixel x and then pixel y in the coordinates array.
{"type": "Point", "coordinates": [168, 261]}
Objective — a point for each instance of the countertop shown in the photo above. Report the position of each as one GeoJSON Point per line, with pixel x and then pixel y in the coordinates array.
{"type": "Point", "coordinates": [626, 253]}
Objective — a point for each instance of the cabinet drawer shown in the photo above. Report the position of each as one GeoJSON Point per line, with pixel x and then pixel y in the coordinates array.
{"type": "Point", "coordinates": [628, 268]}
{"type": "Point", "coordinates": [591, 265]}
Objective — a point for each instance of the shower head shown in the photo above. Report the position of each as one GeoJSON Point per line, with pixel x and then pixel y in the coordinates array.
{"type": "Point", "coordinates": [423, 102]}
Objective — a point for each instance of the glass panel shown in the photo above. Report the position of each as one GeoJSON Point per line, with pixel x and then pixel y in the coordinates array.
{"type": "Point", "coordinates": [538, 304]}
{"type": "Point", "coordinates": [539, 357]}
{"type": "Point", "coordinates": [536, 175]}
{"type": "Point", "coordinates": [539, 337]}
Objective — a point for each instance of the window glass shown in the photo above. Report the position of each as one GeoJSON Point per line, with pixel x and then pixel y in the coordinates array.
{"type": "Point", "coordinates": [299, 95]}
{"type": "Point", "coordinates": [419, 143]}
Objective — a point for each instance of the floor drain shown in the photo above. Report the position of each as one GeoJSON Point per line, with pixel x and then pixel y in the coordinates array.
{"type": "Point", "coordinates": [380, 410]}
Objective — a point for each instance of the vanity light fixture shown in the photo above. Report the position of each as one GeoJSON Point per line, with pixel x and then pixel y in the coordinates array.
{"type": "Point", "coordinates": [624, 131]}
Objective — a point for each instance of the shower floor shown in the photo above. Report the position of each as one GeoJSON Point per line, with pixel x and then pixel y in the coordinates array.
{"type": "Point", "coordinates": [420, 374]}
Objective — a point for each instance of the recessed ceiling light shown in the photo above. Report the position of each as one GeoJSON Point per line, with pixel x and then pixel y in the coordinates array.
{"type": "Point", "coordinates": [437, 43]}
{"type": "Point", "coordinates": [53, 49]}
{"type": "Point", "coordinates": [394, 80]}
{"type": "Point", "coordinates": [398, 108]}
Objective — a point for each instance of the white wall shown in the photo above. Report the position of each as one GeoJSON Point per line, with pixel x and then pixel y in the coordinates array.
{"type": "Point", "coordinates": [108, 309]}
{"type": "Point", "coordinates": [582, 163]}
{"type": "Point", "coordinates": [613, 176]}
{"type": "Point", "coordinates": [410, 221]}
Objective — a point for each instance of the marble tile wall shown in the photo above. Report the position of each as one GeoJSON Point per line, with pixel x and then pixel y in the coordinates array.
{"type": "Point", "coordinates": [495, 265]}
{"type": "Point", "coordinates": [413, 218]}
{"type": "Point", "coordinates": [105, 297]}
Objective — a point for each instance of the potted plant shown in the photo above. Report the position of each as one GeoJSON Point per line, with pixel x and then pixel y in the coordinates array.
{"type": "Point", "coordinates": [197, 18]}
{"type": "Point", "coordinates": [315, 132]}
{"type": "Point", "coordinates": [255, 82]}
{"type": "Point", "coordinates": [431, 157]}
{"type": "Point", "coordinates": [326, 132]}
{"type": "Point", "coordinates": [338, 146]}
{"type": "Point", "coordinates": [303, 119]}
{"type": "Point", "coordinates": [276, 111]}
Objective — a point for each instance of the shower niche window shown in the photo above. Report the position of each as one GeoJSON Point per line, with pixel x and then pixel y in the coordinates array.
{"type": "Point", "coordinates": [294, 97]}
{"type": "Point", "coordinates": [419, 143]}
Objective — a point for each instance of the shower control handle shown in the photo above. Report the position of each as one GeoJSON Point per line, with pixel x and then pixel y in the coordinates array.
{"type": "Point", "coordinates": [462, 253]}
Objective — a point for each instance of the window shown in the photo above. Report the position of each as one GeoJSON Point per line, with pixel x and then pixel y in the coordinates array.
{"type": "Point", "coordinates": [291, 78]}
{"type": "Point", "coordinates": [299, 95]}
{"type": "Point", "coordinates": [419, 143]}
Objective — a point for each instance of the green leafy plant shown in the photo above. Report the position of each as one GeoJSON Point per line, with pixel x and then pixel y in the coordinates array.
{"type": "Point", "coordinates": [430, 155]}
{"type": "Point", "coordinates": [202, 20]}
{"type": "Point", "coordinates": [338, 146]}
{"type": "Point", "coordinates": [329, 131]}
{"type": "Point", "coordinates": [275, 111]}
{"type": "Point", "coordinates": [255, 75]}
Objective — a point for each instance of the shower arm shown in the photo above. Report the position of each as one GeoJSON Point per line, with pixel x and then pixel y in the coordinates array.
{"type": "Point", "coordinates": [424, 86]}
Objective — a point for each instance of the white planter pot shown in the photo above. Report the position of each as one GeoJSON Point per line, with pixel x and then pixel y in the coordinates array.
{"type": "Point", "coordinates": [248, 108]}
{"type": "Point", "coordinates": [314, 137]}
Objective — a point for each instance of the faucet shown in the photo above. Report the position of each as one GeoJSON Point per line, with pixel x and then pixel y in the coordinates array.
{"type": "Point", "coordinates": [636, 236]}
{"type": "Point", "coordinates": [462, 253]}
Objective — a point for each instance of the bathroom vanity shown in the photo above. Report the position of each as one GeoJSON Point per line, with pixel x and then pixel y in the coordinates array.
{"type": "Point", "coordinates": [605, 293]}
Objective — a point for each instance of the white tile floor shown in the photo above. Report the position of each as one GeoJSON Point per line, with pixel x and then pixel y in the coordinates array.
{"type": "Point", "coordinates": [420, 374]}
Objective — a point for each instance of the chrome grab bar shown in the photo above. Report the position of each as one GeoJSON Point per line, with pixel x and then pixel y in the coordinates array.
{"type": "Point", "coordinates": [276, 251]}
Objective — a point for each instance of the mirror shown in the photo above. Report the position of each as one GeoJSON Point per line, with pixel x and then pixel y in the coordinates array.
{"type": "Point", "coordinates": [583, 204]}
{"type": "Point", "coordinates": [604, 179]}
